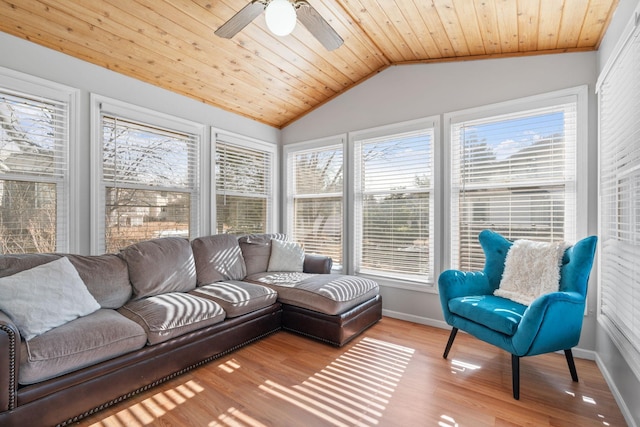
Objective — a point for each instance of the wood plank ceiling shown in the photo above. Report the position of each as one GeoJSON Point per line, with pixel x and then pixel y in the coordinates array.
{"type": "Point", "coordinates": [276, 80]}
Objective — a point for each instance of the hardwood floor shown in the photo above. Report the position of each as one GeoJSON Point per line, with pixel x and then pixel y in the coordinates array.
{"type": "Point", "coordinates": [392, 375]}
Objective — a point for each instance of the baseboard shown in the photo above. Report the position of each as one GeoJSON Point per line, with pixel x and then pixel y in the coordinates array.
{"type": "Point", "coordinates": [580, 353]}
{"type": "Point", "coordinates": [626, 413]}
{"type": "Point", "coordinates": [416, 319]}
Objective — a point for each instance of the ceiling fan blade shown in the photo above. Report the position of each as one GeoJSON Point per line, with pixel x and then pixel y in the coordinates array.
{"type": "Point", "coordinates": [317, 26]}
{"type": "Point", "coordinates": [240, 19]}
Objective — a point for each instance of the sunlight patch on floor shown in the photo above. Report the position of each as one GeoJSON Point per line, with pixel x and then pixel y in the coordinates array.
{"type": "Point", "coordinates": [447, 421]}
{"type": "Point", "coordinates": [150, 409]}
{"type": "Point", "coordinates": [229, 366]}
{"type": "Point", "coordinates": [354, 389]}
{"type": "Point", "coordinates": [590, 401]}
{"type": "Point", "coordinates": [460, 366]}
{"type": "Point", "coordinates": [235, 418]}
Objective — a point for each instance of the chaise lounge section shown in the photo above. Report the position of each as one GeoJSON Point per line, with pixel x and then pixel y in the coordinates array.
{"type": "Point", "coordinates": [155, 310]}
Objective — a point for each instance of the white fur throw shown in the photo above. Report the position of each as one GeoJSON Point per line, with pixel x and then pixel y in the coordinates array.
{"type": "Point", "coordinates": [531, 269]}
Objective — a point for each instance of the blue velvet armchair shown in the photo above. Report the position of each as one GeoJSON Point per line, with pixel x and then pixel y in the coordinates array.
{"type": "Point", "coordinates": [552, 322]}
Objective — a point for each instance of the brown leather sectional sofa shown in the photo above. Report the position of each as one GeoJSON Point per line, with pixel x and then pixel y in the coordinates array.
{"type": "Point", "coordinates": [166, 306]}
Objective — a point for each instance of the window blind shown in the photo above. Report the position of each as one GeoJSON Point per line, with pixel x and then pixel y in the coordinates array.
{"type": "Point", "coordinates": [619, 146]}
{"type": "Point", "coordinates": [150, 181]}
{"type": "Point", "coordinates": [394, 187]}
{"type": "Point", "coordinates": [316, 193]}
{"type": "Point", "coordinates": [515, 174]}
{"type": "Point", "coordinates": [34, 141]}
{"type": "Point", "coordinates": [243, 188]}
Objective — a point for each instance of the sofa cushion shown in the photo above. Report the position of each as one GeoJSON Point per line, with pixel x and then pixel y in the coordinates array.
{"type": "Point", "coordinates": [237, 297]}
{"type": "Point", "coordinates": [45, 297]}
{"type": "Point", "coordinates": [326, 293]}
{"type": "Point", "coordinates": [256, 250]}
{"type": "Point", "coordinates": [173, 314]}
{"type": "Point", "coordinates": [85, 341]}
{"type": "Point", "coordinates": [286, 256]}
{"type": "Point", "coordinates": [497, 313]}
{"type": "Point", "coordinates": [106, 276]}
{"type": "Point", "coordinates": [159, 266]}
{"type": "Point", "coordinates": [218, 258]}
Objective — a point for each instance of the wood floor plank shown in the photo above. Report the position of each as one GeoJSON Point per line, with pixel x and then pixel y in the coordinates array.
{"type": "Point", "coordinates": [392, 375]}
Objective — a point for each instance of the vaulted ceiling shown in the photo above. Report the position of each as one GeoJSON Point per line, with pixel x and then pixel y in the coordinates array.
{"type": "Point", "coordinates": [275, 80]}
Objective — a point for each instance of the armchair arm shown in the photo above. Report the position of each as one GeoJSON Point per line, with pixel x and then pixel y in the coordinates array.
{"type": "Point", "coordinates": [319, 264]}
{"type": "Point", "coordinates": [552, 322]}
{"type": "Point", "coordinates": [455, 283]}
{"type": "Point", "coordinates": [9, 362]}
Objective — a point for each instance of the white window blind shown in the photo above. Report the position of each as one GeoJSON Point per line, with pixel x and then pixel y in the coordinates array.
{"type": "Point", "coordinates": [619, 104]}
{"type": "Point", "coordinates": [34, 140]}
{"type": "Point", "coordinates": [243, 176]}
{"type": "Point", "coordinates": [394, 215]}
{"type": "Point", "coordinates": [316, 180]}
{"type": "Point", "coordinates": [514, 173]}
{"type": "Point", "coordinates": [150, 181]}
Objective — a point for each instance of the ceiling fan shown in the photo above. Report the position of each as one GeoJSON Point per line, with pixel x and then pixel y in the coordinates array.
{"type": "Point", "coordinates": [281, 16]}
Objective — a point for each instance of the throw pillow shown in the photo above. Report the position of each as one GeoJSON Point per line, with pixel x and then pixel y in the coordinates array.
{"type": "Point", "coordinates": [531, 269]}
{"type": "Point", "coordinates": [286, 256]}
{"type": "Point", "coordinates": [45, 297]}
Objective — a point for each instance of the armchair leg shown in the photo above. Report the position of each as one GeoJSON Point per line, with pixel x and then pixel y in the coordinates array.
{"type": "Point", "coordinates": [572, 366]}
{"type": "Point", "coordinates": [452, 337]}
{"type": "Point", "coordinates": [515, 376]}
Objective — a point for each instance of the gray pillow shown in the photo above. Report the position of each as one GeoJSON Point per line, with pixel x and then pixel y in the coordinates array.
{"type": "Point", "coordinates": [160, 266]}
{"type": "Point", "coordinates": [218, 258]}
{"type": "Point", "coordinates": [45, 297]}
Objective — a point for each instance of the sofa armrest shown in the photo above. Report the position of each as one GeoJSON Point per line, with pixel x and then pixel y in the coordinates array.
{"type": "Point", "coordinates": [318, 264]}
{"type": "Point", "coordinates": [9, 362]}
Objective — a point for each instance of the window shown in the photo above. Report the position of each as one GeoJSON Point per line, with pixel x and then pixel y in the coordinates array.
{"type": "Point", "coordinates": [393, 179]}
{"type": "Point", "coordinates": [34, 167]}
{"type": "Point", "coordinates": [315, 185]}
{"type": "Point", "coordinates": [150, 177]}
{"type": "Point", "coordinates": [244, 187]}
{"type": "Point", "coordinates": [618, 93]}
{"type": "Point", "coordinates": [513, 171]}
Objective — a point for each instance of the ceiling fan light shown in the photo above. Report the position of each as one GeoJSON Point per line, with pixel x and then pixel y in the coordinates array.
{"type": "Point", "coordinates": [281, 17]}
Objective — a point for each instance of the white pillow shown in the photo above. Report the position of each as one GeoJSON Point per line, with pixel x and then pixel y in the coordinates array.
{"type": "Point", "coordinates": [531, 269]}
{"type": "Point", "coordinates": [45, 297]}
{"type": "Point", "coordinates": [285, 256]}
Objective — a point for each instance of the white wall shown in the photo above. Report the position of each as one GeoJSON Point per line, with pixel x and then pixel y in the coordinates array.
{"type": "Point", "coordinates": [408, 92]}
{"type": "Point", "coordinates": [621, 378]}
{"type": "Point", "coordinates": [26, 57]}
{"type": "Point", "coordinates": [413, 91]}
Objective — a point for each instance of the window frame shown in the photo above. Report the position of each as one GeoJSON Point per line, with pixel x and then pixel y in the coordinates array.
{"type": "Point", "coordinates": [67, 187]}
{"type": "Point", "coordinates": [579, 95]}
{"type": "Point", "coordinates": [243, 141]}
{"type": "Point", "coordinates": [288, 187]}
{"type": "Point", "coordinates": [390, 130]}
{"type": "Point", "coordinates": [103, 105]}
